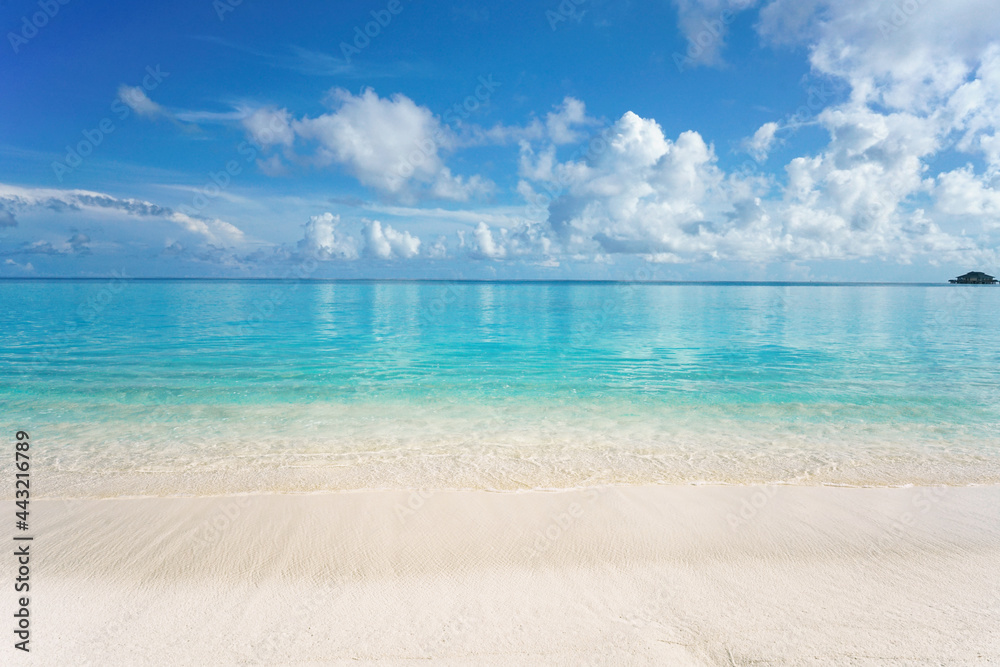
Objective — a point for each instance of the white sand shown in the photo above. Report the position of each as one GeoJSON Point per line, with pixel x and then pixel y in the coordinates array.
{"type": "Point", "coordinates": [632, 576]}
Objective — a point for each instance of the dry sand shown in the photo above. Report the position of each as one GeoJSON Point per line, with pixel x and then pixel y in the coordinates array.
{"type": "Point", "coordinates": [616, 576]}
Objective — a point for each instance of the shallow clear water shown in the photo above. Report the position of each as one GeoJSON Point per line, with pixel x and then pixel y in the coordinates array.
{"type": "Point", "coordinates": [217, 386]}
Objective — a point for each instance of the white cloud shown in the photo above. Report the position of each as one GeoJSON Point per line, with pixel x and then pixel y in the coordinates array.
{"type": "Point", "coordinates": [135, 97]}
{"type": "Point", "coordinates": [905, 55]}
{"type": "Point", "coordinates": [484, 245]}
{"type": "Point", "coordinates": [668, 201]}
{"type": "Point", "coordinates": [643, 194]}
{"type": "Point", "coordinates": [500, 134]}
{"type": "Point", "coordinates": [924, 79]}
{"type": "Point", "coordinates": [857, 188]}
{"type": "Point", "coordinates": [388, 243]}
{"type": "Point", "coordinates": [324, 240]}
{"type": "Point", "coordinates": [498, 216]}
{"type": "Point", "coordinates": [211, 230]}
{"type": "Point", "coordinates": [216, 231]}
{"type": "Point", "coordinates": [524, 240]}
{"type": "Point", "coordinates": [759, 145]}
{"type": "Point", "coordinates": [962, 193]}
{"type": "Point", "coordinates": [974, 110]}
{"type": "Point", "coordinates": [390, 144]}
{"type": "Point", "coordinates": [439, 250]}
{"type": "Point", "coordinates": [565, 122]}
{"type": "Point", "coordinates": [269, 126]}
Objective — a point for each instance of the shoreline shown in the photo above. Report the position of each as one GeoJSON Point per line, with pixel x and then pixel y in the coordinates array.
{"type": "Point", "coordinates": [608, 575]}
{"type": "Point", "coordinates": [501, 475]}
{"type": "Point", "coordinates": [511, 491]}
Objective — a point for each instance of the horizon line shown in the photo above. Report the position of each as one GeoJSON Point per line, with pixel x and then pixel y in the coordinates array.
{"type": "Point", "coordinates": [468, 280]}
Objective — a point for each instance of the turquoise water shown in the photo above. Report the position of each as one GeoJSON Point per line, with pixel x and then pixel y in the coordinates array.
{"type": "Point", "coordinates": [218, 386]}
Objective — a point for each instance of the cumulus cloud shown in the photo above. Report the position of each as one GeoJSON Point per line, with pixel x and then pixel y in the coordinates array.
{"type": "Point", "coordinates": [388, 243]}
{"type": "Point", "coordinates": [902, 55]}
{"type": "Point", "coordinates": [484, 245]}
{"type": "Point", "coordinates": [525, 240]}
{"type": "Point", "coordinates": [921, 75]}
{"type": "Point", "coordinates": [851, 197]}
{"type": "Point", "coordinates": [913, 96]}
{"type": "Point", "coordinates": [668, 201]}
{"type": "Point", "coordinates": [643, 194]}
{"type": "Point", "coordinates": [390, 144]}
{"type": "Point", "coordinates": [396, 146]}
{"type": "Point", "coordinates": [962, 193]}
{"type": "Point", "coordinates": [564, 125]}
{"type": "Point", "coordinates": [324, 240]}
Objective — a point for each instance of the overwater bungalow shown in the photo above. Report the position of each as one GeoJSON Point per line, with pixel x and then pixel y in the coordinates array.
{"type": "Point", "coordinates": [974, 278]}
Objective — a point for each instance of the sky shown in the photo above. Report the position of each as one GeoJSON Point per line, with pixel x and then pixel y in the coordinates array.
{"type": "Point", "coordinates": [826, 140]}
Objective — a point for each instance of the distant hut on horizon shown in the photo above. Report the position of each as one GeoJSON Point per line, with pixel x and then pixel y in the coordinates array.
{"type": "Point", "coordinates": [974, 278]}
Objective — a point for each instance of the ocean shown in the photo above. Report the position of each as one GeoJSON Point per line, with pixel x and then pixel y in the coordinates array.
{"type": "Point", "coordinates": [141, 387]}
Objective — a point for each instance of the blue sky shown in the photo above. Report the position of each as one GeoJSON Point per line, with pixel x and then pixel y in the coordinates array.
{"type": "Point", "coordinates": [730, 139]}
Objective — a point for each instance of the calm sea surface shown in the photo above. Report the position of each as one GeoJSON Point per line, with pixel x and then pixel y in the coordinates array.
{"type": "Point", "coordinates": [134, 387]}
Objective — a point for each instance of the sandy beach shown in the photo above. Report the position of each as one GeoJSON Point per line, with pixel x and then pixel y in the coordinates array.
{"type": "Point", "coordinates": [706, 575]}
